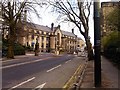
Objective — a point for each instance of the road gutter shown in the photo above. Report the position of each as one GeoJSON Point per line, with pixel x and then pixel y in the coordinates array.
{"type": "Point", "coordinates": [75, 78]}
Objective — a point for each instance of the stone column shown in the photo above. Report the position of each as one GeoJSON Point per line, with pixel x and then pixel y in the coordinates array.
{"type": "Point", "coordinates": [52, 43]}
{"type": "Point", "coordinates": [63, 42]}
{"type": "Point", "coordinates": [44, 44]}
{"type": "Point", "coordinates": [29, 40]}
{"type": "Point", "coordinates": [24, 41]}
{"type": "Point", "coordinates": [66, 45]}
{"type": "Point", "coordinates": [40, 43]}
{"type": "Point", "coordinates": [34, 41]}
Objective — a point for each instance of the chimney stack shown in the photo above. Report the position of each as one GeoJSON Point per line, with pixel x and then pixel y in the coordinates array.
{"type": "Point", "coordinates": [25, 15]}
{"type": "Point", "coordinates": [52, 25]}
{"type": "Point", "coordinates": [73, 31]}
{"type": "Point", "coordinates": [59, 26]}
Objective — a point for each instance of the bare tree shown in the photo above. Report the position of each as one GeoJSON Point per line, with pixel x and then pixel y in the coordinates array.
{"type": "Point", "coordinates": [13, 12]}
{"type": "Point", "coordinates": [77, 12]}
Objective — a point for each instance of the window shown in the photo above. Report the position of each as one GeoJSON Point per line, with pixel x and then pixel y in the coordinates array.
{"type": "Point", "coordinates": [32, 36]}
{"type": "Point", "coordinates": [38, 32]}
{"type": "Point", "coordinates": [42, 33]}
{"type": "Point", "coordinates": [47, 45]}
{"type": "Point", "coordinates": [42, 45]}
{"type": "Point", "coordinates": [47, 33]}
{"type": "Point", "coordinates": [58, 39]}
{"type": "Point", "coordinates": [42, 38]}
{"type": "Point", "coordinates": [47, 38]}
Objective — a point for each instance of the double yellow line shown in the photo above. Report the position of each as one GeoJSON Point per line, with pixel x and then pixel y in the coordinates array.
{"type": "Point", "coordinates": [73, 78]}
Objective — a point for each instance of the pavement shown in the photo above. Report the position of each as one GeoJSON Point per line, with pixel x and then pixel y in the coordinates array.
{"type": "Point", "coordinates": [109, 76]}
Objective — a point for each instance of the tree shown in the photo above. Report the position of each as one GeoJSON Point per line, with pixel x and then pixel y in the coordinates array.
{"type": "Point", "coordinates": [77, 12]}
{"type": "Point", "coordinates": [12, 14]}
{"type": "Point", "coordinates": [113, 19]}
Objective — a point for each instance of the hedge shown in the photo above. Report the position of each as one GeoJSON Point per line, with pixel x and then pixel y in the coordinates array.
{"type": "Point", "coordinates": [111, 47]}
{"type": "Point", "coordinates": [18, 49]}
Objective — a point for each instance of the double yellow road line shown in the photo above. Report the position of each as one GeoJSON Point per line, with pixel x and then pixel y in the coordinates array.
{"type": "Point", "coordinates": [73, 78]}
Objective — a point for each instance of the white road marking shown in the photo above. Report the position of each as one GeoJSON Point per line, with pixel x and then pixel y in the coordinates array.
{"type": "Point", "coordinates": [39, 87]}
{"type": "Point", "coordinates": [17, 59]}
{"type": "Point", "coordinates": [29, 54]}
{"type": "Point", "coordinates": [67, 61]}
{"type": "Point", "coordinates": [22, 63]}
{"type": "Point", "coordinates": [53, 68]}
{"type": "Point", "coordinates": [22, 83]}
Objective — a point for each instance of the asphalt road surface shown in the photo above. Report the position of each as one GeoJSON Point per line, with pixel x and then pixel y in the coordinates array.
{"type": "Point", "coordinates": [39, 72]}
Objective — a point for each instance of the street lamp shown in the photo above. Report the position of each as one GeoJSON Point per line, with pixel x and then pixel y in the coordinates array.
{"type": "Point", "coordinates": [97, 57]}
{"type": "Point", "coordinates": [36, 47]}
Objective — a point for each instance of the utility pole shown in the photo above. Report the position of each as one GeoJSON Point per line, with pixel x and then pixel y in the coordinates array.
{"type": "Point", "coordinates": [97, 44]}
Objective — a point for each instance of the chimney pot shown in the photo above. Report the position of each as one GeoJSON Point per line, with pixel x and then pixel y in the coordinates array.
{"type": "Point", "coordinates": [59, 26]}
{"type": "Point", "coordinates": [52, 25]}
{"type": "Point", "coordinates": [73, 31]}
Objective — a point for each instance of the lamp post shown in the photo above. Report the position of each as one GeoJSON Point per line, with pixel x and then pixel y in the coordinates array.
{"type": "Point", "coordinates": [36, 47]}
{"type": "Point", "coordinates": [97, 57]}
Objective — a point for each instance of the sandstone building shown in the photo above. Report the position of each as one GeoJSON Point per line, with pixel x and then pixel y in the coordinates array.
{"type": "Point", "coordinates": [50, 39]}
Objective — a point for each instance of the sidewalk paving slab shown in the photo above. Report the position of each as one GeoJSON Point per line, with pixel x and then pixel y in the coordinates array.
{"type": "Point", "coordinates": [109, 76]}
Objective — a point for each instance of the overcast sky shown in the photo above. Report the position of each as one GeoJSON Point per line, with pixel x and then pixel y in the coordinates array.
{"type": "Point", "coordinates": [47, 18]}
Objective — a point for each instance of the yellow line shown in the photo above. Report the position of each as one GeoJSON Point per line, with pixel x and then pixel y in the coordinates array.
{"type": "Point", "coordinates": [67, 85]}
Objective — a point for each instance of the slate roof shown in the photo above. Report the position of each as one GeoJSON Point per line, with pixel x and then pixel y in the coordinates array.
{"type": "Point", "coordinates": [68, 33]}
{"type": "Point", "coordinates": [38, 27]}
{"type": "Point", "coordinates": [47, 29]}
{"type": "Point", "coordinates": [79, 38]}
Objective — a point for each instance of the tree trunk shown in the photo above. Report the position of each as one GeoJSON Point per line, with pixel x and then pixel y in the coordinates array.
{"type": "Point", "coordinates": [89, 50]}
{"type": "Point", "coordinates": [11, 39]}
{"type": "Point", "coordinates": [10, 53]}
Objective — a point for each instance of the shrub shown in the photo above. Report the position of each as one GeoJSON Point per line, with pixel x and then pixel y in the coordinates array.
{"type": "Point", "coordinates": [28, 48]}
{"type": "Point", "coordinates": [18, 48]}
{"type": "Point", "coordinates": [111, 47]}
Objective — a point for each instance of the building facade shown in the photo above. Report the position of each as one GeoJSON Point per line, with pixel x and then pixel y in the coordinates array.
{"type": "Point", "coordinates": [50, 39]}
{"type": "Point", "coordinates": [106, 9]}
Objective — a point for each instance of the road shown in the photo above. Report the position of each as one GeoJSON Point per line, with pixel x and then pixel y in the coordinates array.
{"type": "Point", "coordinates": [39, 72]}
